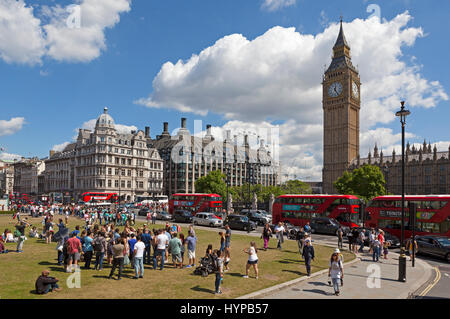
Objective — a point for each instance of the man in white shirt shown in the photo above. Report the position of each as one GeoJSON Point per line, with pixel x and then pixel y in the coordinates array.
{"type": "Point", "coordinates": [279, 232]}
{"type": "Point", "coordinates": [161, 243]}
{"type": "Point", "coordinates": [139, 249]}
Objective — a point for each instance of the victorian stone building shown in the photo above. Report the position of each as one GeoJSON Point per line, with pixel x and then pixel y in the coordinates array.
{"type": "Point", "coordinates": [105, 160]}
{"type": "Point", "coordinates": [427, 171]}
{"type": "Point", "coordinates": [6, 177]}
{"type": "Point", "coordinates": [28, 176]}
{"type": "Point", "coordinates": [187, 158]}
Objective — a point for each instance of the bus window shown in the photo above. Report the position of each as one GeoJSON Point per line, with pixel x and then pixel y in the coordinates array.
{"type": "Point", "coordinates": [429, 227]}
{"type": "Point", "coordinates": [445, 226]}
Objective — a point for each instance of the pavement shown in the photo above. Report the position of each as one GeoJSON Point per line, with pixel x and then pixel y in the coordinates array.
{"type": "Point", "coordinates": [425, 280]}
{"type": "Point", "coordinates": [363, 279]}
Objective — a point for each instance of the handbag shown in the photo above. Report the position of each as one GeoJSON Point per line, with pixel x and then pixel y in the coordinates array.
{"type": "Point", "coordinates": [126, 260]}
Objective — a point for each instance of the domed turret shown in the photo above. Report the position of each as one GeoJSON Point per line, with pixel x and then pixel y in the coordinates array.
{"type": "Point", "coordinates": [104, 120]}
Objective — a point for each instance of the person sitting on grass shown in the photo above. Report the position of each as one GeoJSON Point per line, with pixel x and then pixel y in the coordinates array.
{"type": "Point", "coordinates": [45, 283]}
{"type": "Point", "coordinates": [33, 232]}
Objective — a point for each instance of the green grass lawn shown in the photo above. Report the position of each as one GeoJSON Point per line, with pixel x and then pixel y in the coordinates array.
{"type": "Point", "coordinates": [19, 271]}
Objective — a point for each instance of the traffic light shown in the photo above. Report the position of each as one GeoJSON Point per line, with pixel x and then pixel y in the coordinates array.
{"type": "Point", "coordinates": [412, 215]}
{"type": "Point", "coordinates": [362, 212]}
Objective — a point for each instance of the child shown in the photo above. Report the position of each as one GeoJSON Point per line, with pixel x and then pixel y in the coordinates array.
{"type": "Point", "coordinates": [386, 245]}
{"type": "Point", "coordinates": [227, 258]}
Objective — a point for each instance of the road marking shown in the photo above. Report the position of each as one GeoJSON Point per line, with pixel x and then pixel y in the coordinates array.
{"type": "Point", "coordinates": [430, 286]}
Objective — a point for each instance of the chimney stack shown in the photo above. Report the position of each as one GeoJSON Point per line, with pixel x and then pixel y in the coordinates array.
{"type": "Point", "coordinates": [52, 152]}
{"type": "Point", "coordinates": [183, 122]}
{"type": "Point", "coordinates": [147, 131]}
{"type": "Point", "coordinates": [166, 130]}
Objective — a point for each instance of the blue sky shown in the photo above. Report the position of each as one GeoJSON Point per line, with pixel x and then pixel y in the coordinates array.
{"type": "Point", "coordinates": [57, 92]}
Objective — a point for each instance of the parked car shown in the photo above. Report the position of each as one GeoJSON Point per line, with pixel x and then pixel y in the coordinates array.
{"type": "Point", "coordinates": [162, 215]}
{"type": "Point", "coordinates": [326, 225]}
{"type": "Point", "coordinates": [254, 216]}
{"type": "Point", "coordinates": [143, 211]}
{"type": "Point", "coordinates": [265, 214]}
{"type": "Point", "coordinates": [240, 222]}
{"type": "Point", "coordinates": [182, 216]}
{"type": "Point", "coordinates": [207, 219]}
{"type": "Point", "coordinates": [436, 246]}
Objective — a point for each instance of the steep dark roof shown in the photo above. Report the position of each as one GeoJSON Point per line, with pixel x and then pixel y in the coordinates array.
{"type": "Point", "coordinates": [341, 38]}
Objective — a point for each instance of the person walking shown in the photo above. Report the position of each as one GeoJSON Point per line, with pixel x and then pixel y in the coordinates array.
{"type": "Point", "coordinates": [266, 234]}
{"type": "Point", "coordinates": [308, 255]}
{"type": "Point", "coordinates": [300, 238]}
{"type": "Point", "coordinates": [409, 246]}
{"type": "Point", "coordinates": [154, 217]}
{"type": "Point", "coordinates": [279, 232]}
{"type": "Point", "coordinates": [138, 256]}
{"type": "Point", "coordinates": [340, 235]}
{"type": "Point", "coordinates": [118, 256]}
{"type": "Point", "coordinates": [252, 259]}
{"type": "Point", "coordinates": [336, 272]}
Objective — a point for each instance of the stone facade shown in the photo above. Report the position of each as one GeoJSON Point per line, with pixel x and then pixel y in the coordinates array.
{"type": "Point", "coordinates": [106, 160]}
{"type": "Point", "coordinates": [6, 177]}
{"type": "Point", "coordinates": [341, 105]}
{"type": "Point", "coordinates": [427, 171]}
{"type": "Point", "coordinates": [187, 158]}
{"type": "Point", "coordinates": [26, 175]}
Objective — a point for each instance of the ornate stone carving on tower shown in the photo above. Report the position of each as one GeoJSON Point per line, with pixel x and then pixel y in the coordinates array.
{"type": "Point", "coordinates": [341, 105]}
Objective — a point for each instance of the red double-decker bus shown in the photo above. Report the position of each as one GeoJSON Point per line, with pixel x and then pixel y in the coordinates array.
{"type": "Point", "coordinates": [433, 214]}
{"type": "Point", "coordinates": [195, 203]}
{"type": "Point", "coordinates": [92, 197]}
{"type": "Point", "coordinates": [299, 209]}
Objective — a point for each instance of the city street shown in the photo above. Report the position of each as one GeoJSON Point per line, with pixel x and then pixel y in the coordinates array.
{"type": "Point", "coordinates": [432, 290]}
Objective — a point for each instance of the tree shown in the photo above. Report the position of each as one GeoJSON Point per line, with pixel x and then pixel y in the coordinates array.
{"type": "Point", "coordinates": [365, 182]}
{"type": "Point", "coordinates": [213, 183]}
{"type": "Point", "coordinates": [296, 187]}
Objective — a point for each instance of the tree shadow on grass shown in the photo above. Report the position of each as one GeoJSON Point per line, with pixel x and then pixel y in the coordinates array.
{"type": "Point", "coordinates": [294, 272]}
{"type": "Point", "coordinates": [198, 288]}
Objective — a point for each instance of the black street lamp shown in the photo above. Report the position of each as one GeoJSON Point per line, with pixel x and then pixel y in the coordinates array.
{"type": "Point", "coordinates": [402, 114]}
{"type": "Point", "coordinates": [228, 184]}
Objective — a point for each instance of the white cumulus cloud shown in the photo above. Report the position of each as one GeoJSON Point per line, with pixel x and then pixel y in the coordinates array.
{"type": "Point", "coordinates": [73, 33]}
{"type": "Point", "coordinates": [8, 127]}
{"type": "Point", "coordinates": [277, 77]}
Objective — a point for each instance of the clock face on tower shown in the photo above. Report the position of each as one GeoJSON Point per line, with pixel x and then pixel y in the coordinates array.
{"type": "Point", "coordinates": [355, 90]}
{"type": "Point", "coordinates": [335, 89]}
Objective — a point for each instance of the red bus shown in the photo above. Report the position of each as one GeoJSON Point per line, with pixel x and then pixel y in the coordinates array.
{"type": "Point", "coordinates": [433, 214]}
{"type": "Point", "coordinates": [195, 203]}
{"type": "Point", "coordinates": [299, 209]}
{"type": "Point", "coordinates": [91, 197]}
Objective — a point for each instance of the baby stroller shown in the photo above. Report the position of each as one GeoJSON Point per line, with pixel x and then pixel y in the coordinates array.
{"type": "Point", "coordinates": [206, 267]}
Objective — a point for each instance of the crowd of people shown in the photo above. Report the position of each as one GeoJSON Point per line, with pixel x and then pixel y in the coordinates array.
{"type": "Point", "coordinates": [100, 242]}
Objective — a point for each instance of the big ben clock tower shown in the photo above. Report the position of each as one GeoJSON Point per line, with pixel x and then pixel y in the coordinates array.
{"type": "Point", "coordinates": [341, 104]}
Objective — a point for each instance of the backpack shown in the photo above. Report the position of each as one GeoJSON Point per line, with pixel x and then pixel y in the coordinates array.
{"type": "Point", "coordinates": [215, 263]}
{"type": "Point", "coordinates": [98, 244]}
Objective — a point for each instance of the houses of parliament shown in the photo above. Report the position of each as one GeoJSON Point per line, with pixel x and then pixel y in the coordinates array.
{"type": "Point", "coordinates": [427, 171]}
